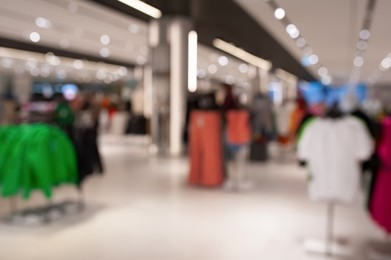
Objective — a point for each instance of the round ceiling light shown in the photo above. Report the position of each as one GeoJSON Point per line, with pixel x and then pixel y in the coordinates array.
{"type": "Point", "coordinates": [105, 39]}
{"type": "Point", "coordinates": [35, 37]}
{"type": "Point", "coordinates": [279, 13]}
{"type": "Point", "coordinates": [223, 61]}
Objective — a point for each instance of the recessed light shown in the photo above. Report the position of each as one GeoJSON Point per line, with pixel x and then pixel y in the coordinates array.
{"type": "Point", "coordinates": [300, 42]}
{"type": "Point", "coordinates": [43, 22]}
{"type": "Point", "coordinates": [201, 73]}
{"type": "Point", "coordinates": [78, 64]}
{"type": "Point", "coordinates": [223, 61]}
{"type": "Point", "coordinates": [292, 30]}
{"type": "Point", "coordinates": [212, 69]}
{"type": "Point", "coordinates": [104, 52]}
{"type": "Point", "coordinates": [364, 34]}
{"type": "Point", "coordinates": [7, 62]}
{"type": "Point", "coordinates": [279, 13]}
{"type": "Point", "coordinates": [313, 59]}
{"type": "Point", "coordinates": [358, 61]}
{"type": "Point", "coordinates": [243, 68]}
{"type": "Point", "coordinates": [326, 80]}
{"type": "Point", "coordinates": [322, 71]}
{"type": "Point", "coordinates": [35, 37]}
{"type": "Point", "coordinates": [105, 39]}
{"type": "Point", "coordinates": [362, 45]}
{"type": "Point", "coordinates": [386, 63]}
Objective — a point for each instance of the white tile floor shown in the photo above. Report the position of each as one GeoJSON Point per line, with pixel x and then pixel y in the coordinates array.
{"type": "Point", "coordinates": [142, 209]}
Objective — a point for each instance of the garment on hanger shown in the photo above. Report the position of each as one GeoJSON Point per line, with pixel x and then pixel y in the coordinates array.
{"type": "Point", "coordinates": [333, 147]}
{"type": "Point", "coordinates": [238, 127]}
{"type": "Point", "coordinates": [206, 158]}
{"type": "Point", "coordinates": [380, 206]}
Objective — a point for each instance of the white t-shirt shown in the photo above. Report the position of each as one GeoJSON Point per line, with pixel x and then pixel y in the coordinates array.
{"type": "Point", "coordinates": [334, 149]}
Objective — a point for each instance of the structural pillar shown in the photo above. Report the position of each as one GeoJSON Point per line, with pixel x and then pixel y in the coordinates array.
{"type": "Point", "coordinates": [169, 80]}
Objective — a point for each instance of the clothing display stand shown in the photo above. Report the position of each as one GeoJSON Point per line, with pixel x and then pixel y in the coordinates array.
{"type": "Point", "coordinates": [44, 214]}
{"type": "Point", "coordinates": [328, 247]}
{"type": "Point", "coordinates": [238, 179]}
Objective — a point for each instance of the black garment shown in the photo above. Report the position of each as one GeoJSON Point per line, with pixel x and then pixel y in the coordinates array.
{"type": "Point", "coordinates": [88, 156]}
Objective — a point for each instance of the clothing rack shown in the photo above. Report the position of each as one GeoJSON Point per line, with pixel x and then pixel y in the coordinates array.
{"type": "Point", "coordinates": [44, 211]}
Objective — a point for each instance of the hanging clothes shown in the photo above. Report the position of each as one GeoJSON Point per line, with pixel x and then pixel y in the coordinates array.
{"type": "Point", "coordinates": [206, 158]}
{"type": "Point", "coordinates": [380, 206]}
{"type": "Point", "coordinates": [238, 127]}
{"type": "Point", "coordinates": [283, 115]}
{"type": "Point", "coordinates": [333, 149]}
{"type": "Point", "coordinates": [35, 157]}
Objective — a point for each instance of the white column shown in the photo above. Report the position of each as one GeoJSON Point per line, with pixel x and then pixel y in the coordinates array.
{"type": "Point", "coordinates": [179, 31]}
{"type": "Point", "coordinates": [169, 74]}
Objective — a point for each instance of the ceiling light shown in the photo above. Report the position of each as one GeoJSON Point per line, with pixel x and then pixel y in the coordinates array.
{"type": "Point", "coordinates": [300, 42]}
{"type": "Point", "coordinates": [192, 61]}
{"type": "Point", "coordinates": [143, 7]}
{"type": "Point", "coordinates": [105, 39]}
{"type": "Point", "coordinates": [358, 61]}
{"type": "Point", "coordinates": [7, 62]}
{"type": "Point", "coordinates": [322, 71]}
{"type": "Point", "coordinates": [326, 80]}
{"type": "Point", "coordinates": [223, 61]}
{"type": "Point", "coordinates": [35, 37]}
{"type": "Point", "coordinates": [279, 13]}
{"type": "Point", "coordinates": [43, 23]}
{"type": "Point", "coordinates": [31, 63]}
{"type": "Point", "coordinates": [313, 59]}
{"type": "Point", "coordinates": [243, 68]}
{"type": "Point", "coordinates": [242, 54]}
{"type": "Point", "coordinates": [364, 34]}
{"type": "Point", "coordinates": [78, 64]}
{"type": "Point", "coordinates": [229, 79]}
{"type": "Point", "coordinates": [35, 72]}
{"type": "Point", "coordinates": [201, 73]}
{"type": "Point", "coordinates": [212, 69]}
{"type": "Point", "coordinates": [292, 30]}
{"type": "Point", "coordinates": [45, 72]}
{"type": "Point", "coordinates": [385, 63]}
{"type": "Point", "coordinates": [362, 45]}
{"type": "Point", "coordinates": [122, 71]}
{"type": "Point", "coordinates": [104, 52]}
{"type": "Point", "coordinates": [100, 74]}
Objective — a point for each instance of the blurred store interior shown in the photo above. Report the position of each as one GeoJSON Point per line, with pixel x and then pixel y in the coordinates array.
{"type": "Point", "coordinates": [195, 129]}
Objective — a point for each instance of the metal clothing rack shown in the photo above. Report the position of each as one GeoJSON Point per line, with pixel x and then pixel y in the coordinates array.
{"type": "Point", "coordinates": [44, 211]}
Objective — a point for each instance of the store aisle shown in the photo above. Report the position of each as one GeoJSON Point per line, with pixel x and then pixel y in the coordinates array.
{"type": "Point", "coordinates": [142, 209]}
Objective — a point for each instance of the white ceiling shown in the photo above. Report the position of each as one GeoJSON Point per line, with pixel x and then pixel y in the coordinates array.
{"type": "Point", "coordinates": [81, 24]}
{"type": "Point", "coordinates": [331, 29]}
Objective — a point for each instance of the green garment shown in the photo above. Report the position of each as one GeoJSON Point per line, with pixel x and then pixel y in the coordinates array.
{"type": "Point", "coordinates": [35, 157]}
{"type": "Point", "coordinates": [64, 114]}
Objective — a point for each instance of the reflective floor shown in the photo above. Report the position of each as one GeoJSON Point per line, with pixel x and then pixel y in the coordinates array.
{"type": "Point", "coordinates": [142, 209]}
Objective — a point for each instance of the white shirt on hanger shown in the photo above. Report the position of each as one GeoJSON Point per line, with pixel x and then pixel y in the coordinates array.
{"type": "Point", "coordinates": [333, 149]}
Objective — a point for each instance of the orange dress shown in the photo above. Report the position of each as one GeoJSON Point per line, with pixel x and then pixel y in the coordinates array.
{"type": "Point", "coordinates": [206, 158]}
